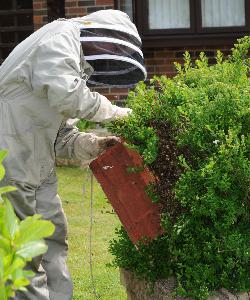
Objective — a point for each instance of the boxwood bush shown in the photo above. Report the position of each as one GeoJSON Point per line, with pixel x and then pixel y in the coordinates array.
{"type": "Point", "coordinates": [193, 132]}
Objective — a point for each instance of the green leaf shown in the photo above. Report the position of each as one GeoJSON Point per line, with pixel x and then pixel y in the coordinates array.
{"type": "Point", "coordinates": [7, 189]}
{"type": "Point", "coordinates": [32, 249]}
{"type": "Point", "coordinates": [3, 295]}
{"type": "Point", "coordinates": [33, 229]}
{"type": "Point", "coordinates": [2, 172]}
{"type": "Point", "coordinates": [28, 273]}
{"type": "Point", "coordinates": [10, 221]}
{"type": "Point", "coordinates": [5, 244]}
{"type": "Point", "coordinates": [3, 154]}
{"type": "Point", "coordinates": [21, 282]}
{"type": "Point", "coordinates": [1, 268]}
{"type": "Point", "coordinates": [19, 279]}
{"type": "Point", "coordinates": [18, 264]}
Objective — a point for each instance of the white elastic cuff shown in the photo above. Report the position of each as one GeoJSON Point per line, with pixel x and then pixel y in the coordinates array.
{"type": "Point", "coordinates": [71, 122]}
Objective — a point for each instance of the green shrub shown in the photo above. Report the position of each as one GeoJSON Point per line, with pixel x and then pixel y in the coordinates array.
{"type": "Point", "coordinates": [193, 132]}
{"type": "Point", "coordinates": [20, 241]}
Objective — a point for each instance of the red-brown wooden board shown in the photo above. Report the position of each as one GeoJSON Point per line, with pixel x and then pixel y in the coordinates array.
{"type": "Point", "coordinates": [126, 191]}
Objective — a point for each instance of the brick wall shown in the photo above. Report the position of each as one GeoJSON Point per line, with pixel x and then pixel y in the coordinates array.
{"type": "Point", "coordinates": [40, 13]}
{"type": "Point", "coordinates": [159, 61]}
{"type": "Point", "coordinates": [79, 8]}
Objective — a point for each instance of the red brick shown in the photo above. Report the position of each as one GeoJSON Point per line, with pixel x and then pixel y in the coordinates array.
{"type": "Point", "coordinates": [40, 12]}
{"type": "Point", "coordinates": [86, 3]}
{"type": "Point", "coordinates": [74, 10]}
{"type": "Point", "coordinates": [37, 5]}
{"type": "Point", "coordinates": [101, 90]}
{"type": "Point", "coordinates": [104, 2]}
{"type": "Point", "coordinates": [171, 74]}
{"type": "Point", "coordinates": [70, 3]}
{"type": "Point", "coordinates": [151, 75]}
{"type": "Point", "coordinates": [150, 68]}
{"type": "Point", "coordinates": [37, 19]}
{"type": "Point", "coordinates": [155, 61]}
{"type": "Point", "coordinates": [119, 90]}
{"type": "Point", "coordinates": [163, 69]}
{"type": "Point", "coordinates": [178, 60]}
{"type": "Point", "coordinates": [164, 53]}
{"type": "Point", "coordinates": [112, 97]}
{"type": "Point", "coordinates": [121, 98]}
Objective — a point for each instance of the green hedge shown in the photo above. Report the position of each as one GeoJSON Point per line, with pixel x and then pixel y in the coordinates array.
{"type": "Point", "coordinates": [193, 132]}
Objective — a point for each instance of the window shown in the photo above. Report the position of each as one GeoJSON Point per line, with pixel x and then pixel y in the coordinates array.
{"type": "Point", "coordinates": [223, 13]}
{"type": "Point", "coordinates": [16, 23]}
{"type": "Point", "coordinates": [126, 6]}
{"type": "Point", "coordinates": [168, 14]}
{"type": "Point", "coordinates": [56, 9]}
{"type": "Point", "coordinates": [189, 22]}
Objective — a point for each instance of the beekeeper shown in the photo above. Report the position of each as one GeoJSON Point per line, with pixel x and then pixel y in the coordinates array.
{"type": "Point", "coordinates": [44, 82]}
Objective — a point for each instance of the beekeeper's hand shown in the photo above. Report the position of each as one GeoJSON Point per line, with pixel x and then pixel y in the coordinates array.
{"type": "Point", "coordinates": [88, 146]}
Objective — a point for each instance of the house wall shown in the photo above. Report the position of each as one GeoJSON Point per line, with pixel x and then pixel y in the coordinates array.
{"type": "Point", "coordinates": [159, 61]}
{"type": "Point", "coordinates": [78, 8]}
{"type": "Point", "coordinates": [40, 13]}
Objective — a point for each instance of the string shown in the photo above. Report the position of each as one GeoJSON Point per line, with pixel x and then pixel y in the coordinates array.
{"type": "Point", "coordinates": [89, 177]}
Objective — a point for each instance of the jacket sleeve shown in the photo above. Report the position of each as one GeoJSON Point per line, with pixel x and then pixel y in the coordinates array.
{"type": "Point", "coordinates": [64, 145]}
{"type": "Point", "coordinates": [56, 76]}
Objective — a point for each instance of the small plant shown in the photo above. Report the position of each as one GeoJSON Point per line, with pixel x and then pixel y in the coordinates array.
{"type": "Point", "coordinates": [193, 132]}
{"type": "Point", "coordinates": [83, 125]}
{"type": "Point", "coordinates": [20, 241]}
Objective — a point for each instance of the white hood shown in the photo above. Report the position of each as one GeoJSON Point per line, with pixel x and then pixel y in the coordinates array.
{"type": "Point", "coordinates": [110, 19]}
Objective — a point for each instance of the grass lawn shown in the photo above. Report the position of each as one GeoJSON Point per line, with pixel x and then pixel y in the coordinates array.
{"type": "Point", "coordinates": [77, 209]}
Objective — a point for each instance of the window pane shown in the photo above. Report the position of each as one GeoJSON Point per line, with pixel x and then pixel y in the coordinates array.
{"type": "Point", "coordinates": [5, 5]}
{"type": "Point", "coordinates": [23, 35]}
{"type": "Point", "coordinates": [23, 4]}
{"type": "Point", "coordinates": [167, 14]}
{"type": "Point", "coordinates": [127, 7]}
{"type": "Point", "coordinates": [6, 21]}
{"type": "Point", "coordinates": [223, 13]}
{"type": "Point", "coordinates": [6, 52]}
{"type": "Point", "coordinates": [8, 37]}
{"type": "Point", "coordinates": [25, 20]}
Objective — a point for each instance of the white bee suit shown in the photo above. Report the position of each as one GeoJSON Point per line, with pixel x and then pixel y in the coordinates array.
{"type": "Point", "coordinates": [42, 84]}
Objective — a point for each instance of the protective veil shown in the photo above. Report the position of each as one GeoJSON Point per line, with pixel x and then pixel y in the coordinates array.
{"type": "Point", "coordinates": [43, 83]}
{"type": "Point", "coordinates": [113, 51]}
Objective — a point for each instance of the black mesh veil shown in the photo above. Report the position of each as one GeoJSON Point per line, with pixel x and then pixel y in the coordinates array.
{"type": "Point", "coordinates": [115, 56]}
